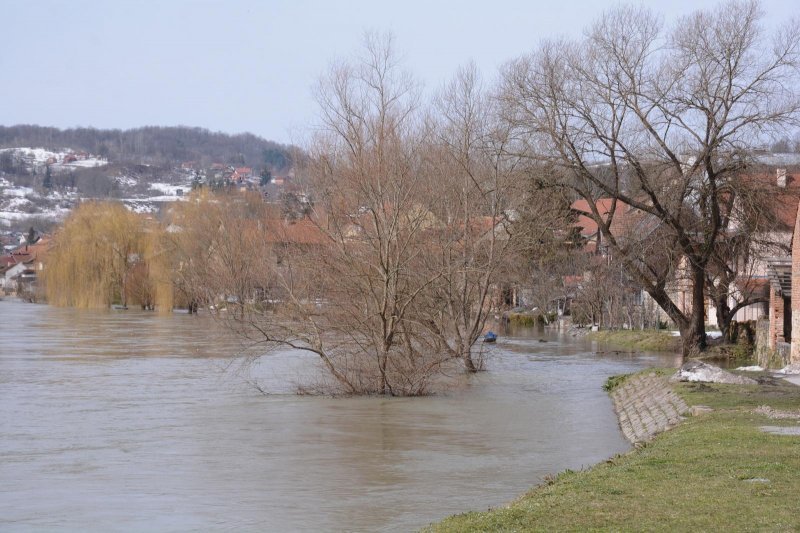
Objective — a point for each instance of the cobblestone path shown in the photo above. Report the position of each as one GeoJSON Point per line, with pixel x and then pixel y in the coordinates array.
{"type": "Point", "coordinates": [646, 406]}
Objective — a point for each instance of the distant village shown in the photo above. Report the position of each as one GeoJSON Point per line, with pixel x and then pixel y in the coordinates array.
{"type": "Point", "coordinates": [22, 260]}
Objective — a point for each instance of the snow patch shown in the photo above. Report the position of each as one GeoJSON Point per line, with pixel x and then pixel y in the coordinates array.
{"type": "Point", "coordinates": [167, 199]}
{"type": "Point", "coordinates": [126, 181]}
{"type": "Point", "coordinates": [140, 207]}
{"type": "Point", "coordinates": [705, 373]}
{"type": "Point", "coordinates": [709, 334]}
{"type": "Point", "coordinates": [18, 191]}
{"type": "Point", "coordinates": [790, 369]}
{"type": "Point", "coordinates": [63, 158]}
{"type": "Point", "coordinates": [168, 190]}
{"type": "Point", "coordinates": [17, 202]}
{"type": "Point", "coordinates": [55, 213]}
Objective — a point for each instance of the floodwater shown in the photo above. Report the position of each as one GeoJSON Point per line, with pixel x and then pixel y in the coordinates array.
{"type": "Point", "coordinates": [126, 420]}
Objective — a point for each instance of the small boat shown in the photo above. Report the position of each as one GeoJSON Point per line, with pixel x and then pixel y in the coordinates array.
{"type": "Point", "coordinates": [490, 337]}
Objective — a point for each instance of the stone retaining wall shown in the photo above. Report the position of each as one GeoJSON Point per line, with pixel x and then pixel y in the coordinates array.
{"type": "Point", "coordinates": [646, 406]}
{"type": "Point", "coordinates": [766, 355]}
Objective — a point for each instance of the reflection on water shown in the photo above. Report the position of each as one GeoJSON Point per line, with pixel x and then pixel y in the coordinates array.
{"type": "Point", "coordinates": [128, 420]}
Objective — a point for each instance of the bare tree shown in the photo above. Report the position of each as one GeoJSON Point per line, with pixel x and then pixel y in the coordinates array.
{"type": "Point", "coordinates": [662, 123]}
{"type": "Point", "coordinates": [388, 271]}
{"type": "Point", "coordinates": [220, 247]}
{"type": "Point", "coordinates": [344, 279]}
{"type": "Point", "coordinates": [474, 188]}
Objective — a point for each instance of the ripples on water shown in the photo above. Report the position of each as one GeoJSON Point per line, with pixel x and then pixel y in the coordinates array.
{"type": "Point", "coordinates": [132, 421]}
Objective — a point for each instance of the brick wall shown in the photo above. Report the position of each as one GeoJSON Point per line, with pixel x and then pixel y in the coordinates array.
{"type": "Point", "coordinates": [795, 349]}
{"type": "Point", "coordinates": [775, 318]}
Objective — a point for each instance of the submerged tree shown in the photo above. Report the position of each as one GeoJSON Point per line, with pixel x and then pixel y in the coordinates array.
{"type": "Point", "coordinates": [474, 189]}
{"type": "Point", "coordinates": [366, 174]}
{"type": "Point", "coordinates": [387, 275]}
{"type": "Point", "coordinates": [663, 124]}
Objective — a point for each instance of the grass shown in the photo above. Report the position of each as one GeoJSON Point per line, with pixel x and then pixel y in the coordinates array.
{"type": "Point", "coordinates": [732, 355]}
{"type": "Point", "coordinates": [694, 477]}
{"type": "Point", "coordinates": [529, 320]}
{"type": "Point", "coordinates": [648, 340]}
{"type": "Point", "coordinates": [616, 381]}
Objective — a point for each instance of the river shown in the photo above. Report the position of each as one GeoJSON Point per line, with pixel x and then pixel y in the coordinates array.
{"type": "Point", "coordinates": [130, 421]}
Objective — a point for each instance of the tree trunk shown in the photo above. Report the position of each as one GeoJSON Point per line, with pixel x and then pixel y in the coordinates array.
{"type": "Point", "coordinates": [383, 363]}
{"type": "Point", "coordinates": [724, 317]}
{"type": "Point", "coordinates": [382, 368]}
{"type": "Point", "coordinates": [692, 327]}
{"type": "Point", "coordinates": [693, 333]}
{"type": "Point", "coordinates": [469, 364]}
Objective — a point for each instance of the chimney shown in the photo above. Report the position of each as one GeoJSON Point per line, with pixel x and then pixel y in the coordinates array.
{"type": "Point", "coordinates": [781, 177]}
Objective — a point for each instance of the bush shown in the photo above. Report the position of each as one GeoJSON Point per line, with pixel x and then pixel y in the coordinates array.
{"type": "Point", "coordinates": [615, 381]}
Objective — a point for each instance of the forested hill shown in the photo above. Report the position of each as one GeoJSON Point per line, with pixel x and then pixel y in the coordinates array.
{"type": "Point", "coordinates": [156, 145]}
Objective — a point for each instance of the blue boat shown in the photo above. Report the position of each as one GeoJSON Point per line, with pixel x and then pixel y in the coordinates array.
{"type": "Point", "coordinates": [490, 337]}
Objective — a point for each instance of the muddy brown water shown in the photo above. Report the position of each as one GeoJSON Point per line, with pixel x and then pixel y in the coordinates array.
{"type": "Point", "coordinates": [130, 421]}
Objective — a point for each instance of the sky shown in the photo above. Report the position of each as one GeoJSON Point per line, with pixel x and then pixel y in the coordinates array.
{"type": "Point", "coordinates": [250, 66]}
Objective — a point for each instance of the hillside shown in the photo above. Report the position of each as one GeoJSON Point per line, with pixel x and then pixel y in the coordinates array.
{"type": "Point", "coordinates": [45, 171]}
{"type": "Point", "coordinates": [156, 145]}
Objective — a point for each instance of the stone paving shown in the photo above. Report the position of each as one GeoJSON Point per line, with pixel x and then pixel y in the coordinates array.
{"type": "Point", "coordinates": [646, 406]}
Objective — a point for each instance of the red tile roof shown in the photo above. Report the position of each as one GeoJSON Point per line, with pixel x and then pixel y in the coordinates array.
{"type": "Point", "coordinates": [587, 225]}
{"type": "Point", "coordinates": [303, 231]}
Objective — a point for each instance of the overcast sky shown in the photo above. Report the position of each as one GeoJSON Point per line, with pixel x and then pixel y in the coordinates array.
{"type": "Point", "coordinates": [237, 66]}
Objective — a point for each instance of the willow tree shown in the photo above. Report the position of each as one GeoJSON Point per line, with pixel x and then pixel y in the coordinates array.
{"type": "Point", "coordinates": [96, 256]}
{"type": "Point", "coordinates": [150, 282]}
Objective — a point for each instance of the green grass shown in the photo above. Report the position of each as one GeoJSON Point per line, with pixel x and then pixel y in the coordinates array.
{"type": "Point", "coordinates": [529, 320]}
{"type": "Point", "coordinates": [777, 393]}
{"type": "Point", "coordinates": [692, 478]}
{"type": "Point", "coordinates": [616, 381]}
{"type": "Point", "coordinates": [648, 340]}
{"type": "Point", "coordinates": [729, 355]}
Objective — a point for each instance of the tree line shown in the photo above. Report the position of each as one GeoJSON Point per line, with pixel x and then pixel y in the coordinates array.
{"type": "Point", "coordinates": [157, 145]}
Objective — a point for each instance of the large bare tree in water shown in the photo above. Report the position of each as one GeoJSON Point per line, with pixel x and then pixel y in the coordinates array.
{"type": "Point", "coordinates": [387, 274]}
{"type": "Point", "coordinates": [662, 122]}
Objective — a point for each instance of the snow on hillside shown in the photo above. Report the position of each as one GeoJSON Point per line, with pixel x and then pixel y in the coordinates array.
{"type": "Point", "coordinates": [89, 162]}
{"type": "Point", "coordinates": [54, 213]}
{"type": "Point", "coordinates": [141, 188]}
{"type": "Point", "coordinates": [169, 190]}
{"type": "Point", "coordinates": [139, 206]}
{"type": "Point", "coordinates": [126, 181]}
{"type": "Point", "coordinates": [16, 191]}
{"type": "Point", "coordinates": [65, 158]}
{"type": "Point", "coordinates": [21, 203]}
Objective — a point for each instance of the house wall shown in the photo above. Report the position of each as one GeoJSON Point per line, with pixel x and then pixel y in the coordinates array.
{"type": "Point", "coordinates": [794, 354]}
{"type": "Point", "coordinates": [751, 312]}
{"type": "Point", "coordinates": [7, 280]}
{"type": "Point", "coordinates": [776, 311]}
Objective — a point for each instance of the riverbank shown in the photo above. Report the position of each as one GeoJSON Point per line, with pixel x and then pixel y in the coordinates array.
{"type": "Point", "coordinates": [716, 470]}
{"type": "Point", "coordinates": [648, 340]}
